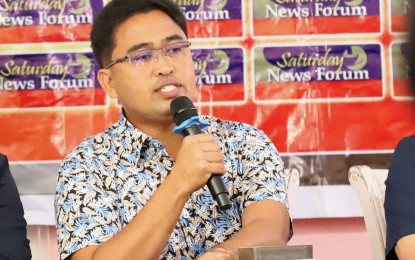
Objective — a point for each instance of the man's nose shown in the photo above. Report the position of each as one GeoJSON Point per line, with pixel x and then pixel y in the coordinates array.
{"type": "Point", "coordinates": [156, 54]}
{"type": "Point", "coordinates": [163, 66]}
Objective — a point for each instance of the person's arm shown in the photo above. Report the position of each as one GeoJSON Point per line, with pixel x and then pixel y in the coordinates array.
{"type": "Point", "coordinates": [13, 235]}
{"type": "Point", "coordinates": [146, 235]}
{"type": "Point", "coordinates": [262, 196]}
{"type": "Point", "coordinates": [405, 248]}
{"type": "Point", "coordinates": [399, 200]}
{"type": "Point", "coordinates": [264, 223]}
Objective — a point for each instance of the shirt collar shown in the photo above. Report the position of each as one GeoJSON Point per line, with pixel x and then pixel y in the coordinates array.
{"type": "Point", "coordinates": [125, 134]}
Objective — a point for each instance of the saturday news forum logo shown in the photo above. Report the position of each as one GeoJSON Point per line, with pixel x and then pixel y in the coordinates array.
{"type": "Point", "coordinates": [40, 12]}
{"type": "Point", "coordinates": [401, 70]}
{"type": "Point", "coordinates": [25, 21]}
{"type": "Point", "coordinates": [220, 73]}
{"type": "Point", "coordinates": [212, 18]}
{"type": "Point", "coordinates": [284, 17]}
{"type": "Point", "coordinates": [400, 11]}
{"type": "Point", "coordinates": [56, 76]}
{"type": "Point", "coordinates": [332, 70]}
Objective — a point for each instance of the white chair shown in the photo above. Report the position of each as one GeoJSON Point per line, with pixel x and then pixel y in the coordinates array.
{"type": "Point", "coordinates": [369, 185]}
{"type": "Point", "coordinates": [293, 181]}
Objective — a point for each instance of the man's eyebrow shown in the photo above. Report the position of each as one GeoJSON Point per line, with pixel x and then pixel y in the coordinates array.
{"type": "Point", "coordinates": [174, 37]}
{"type": "Point", "coordinates": [138, 46]}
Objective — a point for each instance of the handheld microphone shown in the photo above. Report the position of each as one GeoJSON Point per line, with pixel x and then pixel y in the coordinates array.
{"type": "Point", "coordinates": [188, 123]}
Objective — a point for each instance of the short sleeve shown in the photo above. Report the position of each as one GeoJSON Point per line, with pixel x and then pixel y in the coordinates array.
{"type": "Point", "coordinates": [400, 195]}
{"type": "Point", "coordinates": [263, 175]}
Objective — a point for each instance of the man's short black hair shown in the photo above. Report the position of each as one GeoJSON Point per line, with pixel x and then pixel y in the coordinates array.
{"type": "Point", "coordinates": [118, 11]}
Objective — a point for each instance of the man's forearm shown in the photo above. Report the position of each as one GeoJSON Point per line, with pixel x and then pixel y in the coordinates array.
{"type": "Point", "coordinates": [254, 235]}
{"type": "Point", "coordinates": [268, 230]}
{"type": "Point", "coordinates": [146, 235]}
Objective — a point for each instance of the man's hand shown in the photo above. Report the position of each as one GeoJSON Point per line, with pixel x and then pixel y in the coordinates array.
{"type": "Point", "coordinates": [216, 253]}
{"type": "Point", "coordinates": [198, 158]}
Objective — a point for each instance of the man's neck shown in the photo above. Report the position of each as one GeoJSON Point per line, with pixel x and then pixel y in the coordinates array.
{"type": "Point", "coordinates": [162, 130]}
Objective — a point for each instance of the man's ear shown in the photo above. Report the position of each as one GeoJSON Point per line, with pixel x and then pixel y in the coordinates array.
{"type": "Point", "coordinates": [105, 80]}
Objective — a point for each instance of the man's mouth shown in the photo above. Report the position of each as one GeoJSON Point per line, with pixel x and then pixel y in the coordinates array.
{"type": "Point", "coordinates": [168, 88]}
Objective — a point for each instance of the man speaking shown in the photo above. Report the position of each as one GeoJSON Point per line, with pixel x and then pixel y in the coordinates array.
{"type": "Point", "coordinates": [138, 190]}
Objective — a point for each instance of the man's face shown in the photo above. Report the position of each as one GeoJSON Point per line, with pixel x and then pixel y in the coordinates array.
{"type": "Point", "coordinates": [146, 91]}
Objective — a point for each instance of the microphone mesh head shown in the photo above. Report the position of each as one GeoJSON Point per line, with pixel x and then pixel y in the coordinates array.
{"type": "Point", "coordinates": [182, 108]}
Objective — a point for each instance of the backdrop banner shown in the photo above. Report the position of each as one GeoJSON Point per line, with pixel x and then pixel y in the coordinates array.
{"type": "Point", "coordinates": [327, 81]}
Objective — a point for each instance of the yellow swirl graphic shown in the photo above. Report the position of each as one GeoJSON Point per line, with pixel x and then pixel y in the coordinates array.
{"type": "Point", "coordinates": [224, 62]}
{"type": "Point", "coordinates": [217, 5]}
{"type": "Point", "coordinates": [360, 55]}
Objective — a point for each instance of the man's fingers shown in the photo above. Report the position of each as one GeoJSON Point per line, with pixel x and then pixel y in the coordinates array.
{"type": "Point", "coordinates": [217, 168]}
{"type": "Point", "coordinates": [200, 138]}
{"type": "Point", "coordinates": [214, 157]}
{"type": "Point", "coordinates": [210, 147]}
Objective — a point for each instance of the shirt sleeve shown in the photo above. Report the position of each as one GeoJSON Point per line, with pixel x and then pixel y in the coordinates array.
{"type": "Point", "coordinates": [263, 174]}
{"type": "Point", "coordinates": [400, 195]}
{"type": "Point", "coordinates": [84, 206]}
{"type": "Point", "coordinates": [13, 234]}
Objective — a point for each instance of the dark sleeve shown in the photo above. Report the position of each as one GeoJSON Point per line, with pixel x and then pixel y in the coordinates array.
{"type": "Point", "coordinates": [13, 235]}
{"type": "Point", "coordinates": [400, 195]}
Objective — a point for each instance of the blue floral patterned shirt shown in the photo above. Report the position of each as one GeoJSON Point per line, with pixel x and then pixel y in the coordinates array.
{"type": "Point", "coordinates": [109, 177]}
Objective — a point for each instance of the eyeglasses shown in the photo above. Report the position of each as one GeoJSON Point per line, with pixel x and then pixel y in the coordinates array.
{"type": "Point", "coordinates": [143, 57]}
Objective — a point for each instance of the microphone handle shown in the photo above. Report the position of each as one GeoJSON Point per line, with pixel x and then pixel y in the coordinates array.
{"type": "Point", "coordinates": [192, 130]}
{"type": "Point", "coordinates": [215, 183]}
{"type": "Point", "coordinates": [219, 192]}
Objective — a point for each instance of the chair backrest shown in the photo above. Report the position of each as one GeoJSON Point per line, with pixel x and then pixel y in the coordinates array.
{"type": "Point", "coordinates": [369, 185]}
{"type": "Point", "coordinates": [293, 181]}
